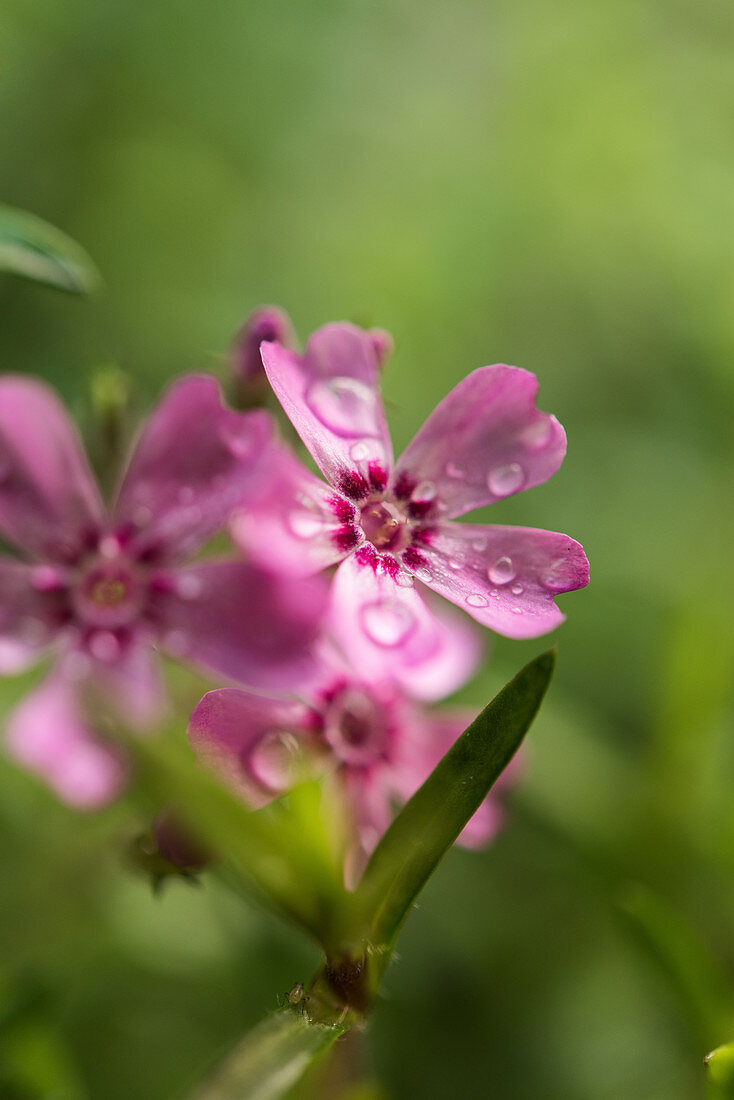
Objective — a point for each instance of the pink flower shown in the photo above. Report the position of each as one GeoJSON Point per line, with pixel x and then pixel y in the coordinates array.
{"type": "Point", "coordinates": [264, 323]}
{"type": "Point", "coordinates": [103, 589]}
{"type": "Point", "coordinates": [356, 723]}
{"type": "Point", "coordinates": [391, 523]}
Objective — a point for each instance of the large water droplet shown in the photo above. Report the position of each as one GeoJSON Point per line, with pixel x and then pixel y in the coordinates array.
{"type": "Point", "coordinates": [517, 590]}
{"type": "Point", "coordinates": [424, 492]}
{"type": "Point", "coordinates": [388, 623]}
{"type": "Point", "coordinates": [457, 560]}
{"type": "Point", "coordinates": [476, 599]}
{"type": "Point", "coordinates": [345, 405]}
{"type": "Point", "coordinates": [109, 546]}
{"type": "Point", "coordinates": [537, 434]}
{"type": "Point", "coordinates": [504, 480]}
{"type": "Point", "coordinates": [502, 571]}
{"type": "Point", "coordinates": [304, 524]}
{"type": "Point", "coordinates": [454, 471]}
{"type": "Point", "coordinates": [423, 574]}
{"type": "Point", "coordinates": [359, 452]}
{"type": "Point", "coordinates": [274, 761]}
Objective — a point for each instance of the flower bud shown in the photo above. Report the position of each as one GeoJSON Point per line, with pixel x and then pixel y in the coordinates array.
{"type": "Point", "coordinates": [264, 323]}
{"type": "Point", "coordinates": [383, 344]}
{"type": "Point", "coordinates": [176, 844]}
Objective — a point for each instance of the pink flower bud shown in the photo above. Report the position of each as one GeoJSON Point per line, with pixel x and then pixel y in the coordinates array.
{"type": "Point", "coordinates": [264, 323]}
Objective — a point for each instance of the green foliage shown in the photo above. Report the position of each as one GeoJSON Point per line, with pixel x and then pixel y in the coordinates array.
{"type": "Point", "coordinates": [430, 822]}
{"type": "Point", "coordinates": [38, 251]}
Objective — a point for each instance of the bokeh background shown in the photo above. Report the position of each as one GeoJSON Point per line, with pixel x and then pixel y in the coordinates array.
{"type": "Point", "coordinates": [546, 185]}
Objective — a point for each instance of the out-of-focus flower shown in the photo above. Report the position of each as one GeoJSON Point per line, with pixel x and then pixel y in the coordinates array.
{"type": "Point", "coordinates": [390, 524]}
{"type": "Point", "coordinates": [357, 723]}
{"type": "Point", "coordinates": [103, 589]}
{"type": "Point", "coordinates": [266, 323]}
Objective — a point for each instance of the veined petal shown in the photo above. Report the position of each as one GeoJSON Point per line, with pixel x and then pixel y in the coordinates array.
{"type": "Point", "coordinates": [236, 620]}
{"type": "Point", "coordinates": [247, 739]}
{"type": "Point", "coordinates": [48, 734]}
{"type": "Point", "coordinates": [485, 441]}
{"type": "Point", "coordinates": [49, 501]}
{"type": "Point", "coordinates": [388, 633]}
{"type": "Point", "coordinates": [193, 462]}
{"type": "Point", "coordinates": [331, 396]}
{"type": "Point", "coordinates": [30, 613]}
{"type": "Point", "coordinates": [505, 577]}
{"type": "Point", "coordinates": [296, 522]}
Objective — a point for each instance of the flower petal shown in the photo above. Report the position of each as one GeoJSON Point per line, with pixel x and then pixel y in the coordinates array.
{"type": "Point", "coordinates": [484, 441]}
{"type": "Point", "coordinates": [49, 501]}
{"type": "Point", "coordinates": [30, 613]}
{"type": "Point", "coordinates": [293, 523]}
{"type": "Point", "coordinates": [505, 577]}
{"type": "Point", "coordinates": [331, 397]}
{"type": "Point", "coordinates": [132, 685]}
{"type": "Point", "coordinates": [48, 735]}
{"type": "Point", "coordinates": [228, 728]}
{"type": "Point", "coordinates": [193, 462]}
{"type": "Point", "coordinates": [388, 633]}
{"type": "Point", "coordinates": [236, 620]}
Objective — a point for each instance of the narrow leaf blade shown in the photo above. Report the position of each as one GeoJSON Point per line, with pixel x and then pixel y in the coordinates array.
{"type": "Point", "coordinates": [430, 822]}
{"type": "Point", "coordinates": [36, 250]}
{"type": "Point", "coordinates": [270, 1060]}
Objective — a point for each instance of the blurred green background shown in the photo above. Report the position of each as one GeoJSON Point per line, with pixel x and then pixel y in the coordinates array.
{"type": "Point", "coordinates": [546, 185]}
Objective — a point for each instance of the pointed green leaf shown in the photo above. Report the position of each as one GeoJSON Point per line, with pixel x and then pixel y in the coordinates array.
{"type": "Point", "coordinates": [430, 822]}
{"type": "Point", "coordinates": [36, 250]}
{"type": "Point", "coordinates": [271, 1058]}
{"type": "Point", "coordinates": [720, 1068]}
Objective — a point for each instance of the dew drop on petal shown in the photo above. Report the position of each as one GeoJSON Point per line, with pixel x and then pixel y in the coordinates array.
{"type": "Point", "coordinates": [537, 434]}
{"type": "Point", "coordinates": [104, 645]}
{"type": "Point", "coordinates": [476, 599]}
{"type": "Point", "coordinates": [424, 492]}
{"type": "Point", "coordinates": [517, 611]}
{"type": "Point", "coordinates": [504, 480]}
{"type": "Point", "coordinates": [345, 405]}
{"type": "Point", "coordinates": [358, 452]}
{"type": "Point", "coordinates": [423, 574]}
{"type": "Point", "coordinates": [387, 622]}
{"type": "Point", "coordinates": [502, 571]}
{"type": "Point", "coordinates": [454, 471]}
{"type": "Point", "coordinates": [304, 524]}
{"type": "Point", "coordinates": [457, 561]}
{"type": "Point", "coordinates": [555, 577]}
{"type": "Point", "coordinates": [479, 544]}
{"type": "Point", "coordinates": [404, 580]}
{"type": "Point", "coordinates": [273, 762]}
{"type": "Point", "coordinates": [517, 590]}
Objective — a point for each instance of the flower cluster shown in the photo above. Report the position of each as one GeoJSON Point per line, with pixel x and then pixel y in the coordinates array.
{"type": "Point", "coordinates": [328, 671]}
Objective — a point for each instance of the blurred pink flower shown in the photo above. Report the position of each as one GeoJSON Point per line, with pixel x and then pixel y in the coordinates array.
{"type": "Point", "coordinates": [390, 524]}
{"type": "Point", "coordinates": [103, 589]}
{"type": "Point", "coordinates": [357, 723]}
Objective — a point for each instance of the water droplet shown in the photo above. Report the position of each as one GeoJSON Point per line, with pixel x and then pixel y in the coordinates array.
{"type": "Point", "coordinates": [274, 761]}
{"type": "Point", "coordinates": [480, 544]}
{"type": "Point", "coordinates": [457, 561]}
{"type": "Point", "coordinates": [517, 590]}
{"type": "Point", "coordinates": [104, 645]}
{"type": "Point", "coordinates": [109, 546]}
{"type": "Point", "coordinates": [476, 599]}
{"type": "Point", "coordinates": [388, 623]}
{"type": "Point", "coordinates": [189, 586]}
{"type": "Point", "coordinates": [502, 571]}
{"type": "Point", "coordinates": [46, 578]}
{"type": "Point", "coordinates": [237, 437]}
{"type": "Point", "coordinates": [555, 577]}
{"type": "Point", "coordinates": [517, 611]}
{"type": "Point", "coordinates": [345, 405]}
{"type": "Point", "coordinates": [454, 471]}
{"type": "Point", "coordinates": [186, 495]}
{"type": "Point", "coordinates": [537, 434]}
{"type": "Point", "coordinates": [359, 452]}
{"type": "Point", "coordinates": [424, 492]}
{"type": "Point", "coordinates": [304, 524]}
{"type": "Point", "coordinates": [423, 574]}
{"type": "Point", "coordinates": [504, 480]}
{"type": "Point", "coordinates": [404, 580]}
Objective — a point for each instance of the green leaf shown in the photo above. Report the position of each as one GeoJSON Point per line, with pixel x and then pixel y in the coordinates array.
{"type": "Point", "coordinates": [430, 822]}
{"type": "Point", "coordinates": [281, 850]}
{"type": "Point", "coordinates": [36, 250]}
{"type": "Point", "coordinates": [271, 1059]}
{"type": "Point", "coordinates": [720, 1068]}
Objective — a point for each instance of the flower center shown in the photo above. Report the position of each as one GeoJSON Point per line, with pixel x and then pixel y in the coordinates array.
{"type": "Point", "coordinates": [384, 525]}
{"type": "Point", "coordinates": [108, 594]}
{"type": "Point", "coordinates": [355, 726]}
